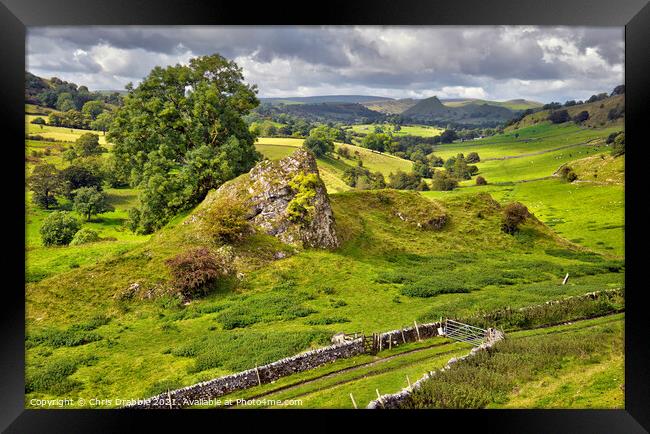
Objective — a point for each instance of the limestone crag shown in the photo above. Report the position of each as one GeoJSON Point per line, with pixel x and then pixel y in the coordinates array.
{"type": "Point", "coordinates": [267, 190]}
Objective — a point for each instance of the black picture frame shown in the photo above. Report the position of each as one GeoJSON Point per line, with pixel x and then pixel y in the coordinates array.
{"type": "Point", "coordinates": [16, 15]}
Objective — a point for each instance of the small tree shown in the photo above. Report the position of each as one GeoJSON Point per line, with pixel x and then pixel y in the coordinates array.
{"type": "Point", "coordinates": [88, 144]}
{"type": "Point", "coordinates": [443, 181]}
{"type": "Point", "coordinates": [92, 109]}
{"type": "Point", "coordinates": [473, 157]}
{"type": "Point", "coordinates": [320, 141]}
{"type": "Point", "coordinates": [581, 117]}
{"type": "Point", "coordinates": [45, 183]}
{"type": "Point", "coordinates": [559, 116]}
{"type": "Point", "coordinates": [82, 174]}
{"type": "Point", "coordinates": [88, 201]}
{"type": "Point", "coordinates": [514, 214]}
{"type": "Point", "coordinates": [480, 180]}
{"type": "Point", "coordinates": [59, 228]}
{"type": "Point", "coordinates": [38, 121]}
{"type": "Point", "coordinates": [567, 174]}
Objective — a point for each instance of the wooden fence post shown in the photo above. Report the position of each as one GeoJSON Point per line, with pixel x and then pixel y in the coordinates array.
{"type": "Point", "coordinates": [403, 339]}
{"type": "Point", "coordinates": [565, 279]}
{"type": "Point", "coordinates": [353, 401]}
{"type": "Point", "coordinates": [257, 371]}
{"type": "Point", "coordinates": [408, 381]}
{"type": "Point", "coordinates": [416, 329]}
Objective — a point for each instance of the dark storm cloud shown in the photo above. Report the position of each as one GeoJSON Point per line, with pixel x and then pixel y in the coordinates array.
{"type": "Point", "coordinates": [499, 62]}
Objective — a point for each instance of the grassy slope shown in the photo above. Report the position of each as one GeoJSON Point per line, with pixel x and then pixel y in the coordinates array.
{"type": "Point", "coordinates": [149, 342]}
{"type": "Point", "coordinates": [406, 130]}
{"type": "Point", "coordinates": [570, 366]}
{"type": "Point", "coordinates": [588, 214]}
{"type": "Point", "coordinates": [59, 134]}
{"type": "Point", "coordinates": [325, 387]}
{"type": "Point", "coordinates": [541, 137]}
{"type": "Point", "coordinates": [332, 168]}
{"type": "Point", "coordinates": [597, 114]}
{"type": "Point", "coordinates": [601, 168]}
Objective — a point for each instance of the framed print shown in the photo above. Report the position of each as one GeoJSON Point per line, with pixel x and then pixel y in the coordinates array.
{"type": "Point", "coordinates": [425, 211]}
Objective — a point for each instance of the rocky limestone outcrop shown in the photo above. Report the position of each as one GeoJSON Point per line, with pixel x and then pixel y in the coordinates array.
{"type": "Point", "coordinates": [268, 190]}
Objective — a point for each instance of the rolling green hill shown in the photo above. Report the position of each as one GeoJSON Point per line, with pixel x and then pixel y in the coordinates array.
{"type": "Point", "coordinates": [433, 110]}
{"type": "Point", "coordinates": [136, 346]}
{"type": "Point", "coordinates": [598, 114]}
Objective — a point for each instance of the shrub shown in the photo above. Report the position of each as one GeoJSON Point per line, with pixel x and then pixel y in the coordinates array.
{"type": "Point", "coordinates": [83, 236]}
{"type": "Point", "coordinates": [227, 222]}
{"type": "Point", "coordinates": [344, 152]}
{"type": "Point", "coordinates": [196, 271]}
{"type": "Point", "coordinates": [327, 320]}
{"type": "Point", "coordinates": [559, 116]}
{"type": "Point", "coordinates": [442, 181]}
{"type": "Point", "coordinates": [581, 117]}
{"type": "Point", "coordinates": [38, 121]}
{"type": "Point", "coordinates": [514, 214]}
{"type": "Point", "coordinates": [59, 228]}
{"type": "Point", "coordinates": [480, 180]}
{"type": "Point", "coordinates": [53, 377]}
{"type": "Point", "coordinates": [619, 145]}
{"type": "Point", "coordinates": [567, 174]}
{"type": "Point", "coordinates": [473, 157]}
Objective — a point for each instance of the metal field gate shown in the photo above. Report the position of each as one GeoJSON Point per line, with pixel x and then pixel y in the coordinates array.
{"type": "Point", "coordinates": [461, 332]}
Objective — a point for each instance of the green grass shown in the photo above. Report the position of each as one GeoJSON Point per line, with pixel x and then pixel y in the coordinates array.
{"type": "Point", "coordinates": [601, 168]}
{"type": "Point", "coordinates": [60, 134]}
{"type": "Point", "coordinates": [588, 214]}
{"type": "Point", "coordinates": [405, 130]}
{"type": "Point", "coordinates": [541, 137]}
{"type": "Point", "coordinates": [143, 344]}
{"type": "Point", "coordinates": [569, 366]}
{"type": "Point", "coordinates": [332, 167]}
{"type": "Point", "coordinates": [533, 167]}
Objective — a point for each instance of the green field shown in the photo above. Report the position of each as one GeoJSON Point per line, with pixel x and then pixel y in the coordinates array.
{"type": "Point", "coordinates": [356, 283]}
{"type": "Point", "coordinates": [332, 167]}
{"type": "Point", "coordinates": [570, 366]}
{"type": "Point", "coordinates": [330, 386]}
{"type": "Point", "coordinates": [540, 137]}
{"type": "Point", "coordinates": [405, 130]}
{"type": "Point", "coordinates": [533, 167]}
{"type": "Point", "coordinates": [587, 214]}
{"type": "Point", "coordinates": [59, 134]}
{"type": "Point", "coordinates": [86, 339]}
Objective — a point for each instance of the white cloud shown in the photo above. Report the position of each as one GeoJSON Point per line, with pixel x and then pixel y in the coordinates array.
{"type": "Point", "coordinates": [546, 63]}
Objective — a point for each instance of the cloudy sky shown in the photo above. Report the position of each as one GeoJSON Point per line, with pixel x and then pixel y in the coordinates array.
{"type": "Point", "coordinates": [540, 63]}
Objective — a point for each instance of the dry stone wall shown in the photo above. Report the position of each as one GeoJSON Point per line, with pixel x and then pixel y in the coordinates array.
{"type": "Point", "coordinates": [253, 377]}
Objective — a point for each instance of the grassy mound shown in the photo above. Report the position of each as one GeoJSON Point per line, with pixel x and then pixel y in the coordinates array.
{"type": "Point", "coordinates": [400, 253]}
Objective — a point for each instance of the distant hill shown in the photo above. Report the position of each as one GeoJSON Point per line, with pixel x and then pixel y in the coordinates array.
{"type": "Point", "coordinates": [433, 110]}
{"type": "Point", "coordinates": [391, 106]}
{"type": "Point", "coordinates": [325, 112]}
{"type": "Point", "coordinates": [512, 104]}
{"type": "Point", "coordinates": [353, 99]}
{"type": "Point", "coordinates": [599, 113]}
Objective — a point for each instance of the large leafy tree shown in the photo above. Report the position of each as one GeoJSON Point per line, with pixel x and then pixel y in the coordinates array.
{"type": "Point", "coordinates": [181, 132]}
{"type": "Point", "coordinates": [88, 201]}
{"type": "Point", "coordinates": [45, 183]}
